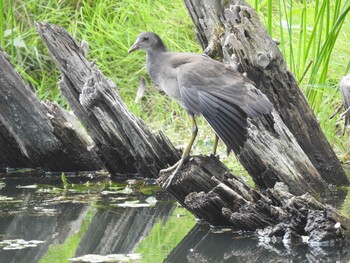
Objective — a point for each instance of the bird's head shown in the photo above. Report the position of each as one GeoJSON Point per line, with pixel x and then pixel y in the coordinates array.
{"type": "Point", "coordinates": [148, 41]}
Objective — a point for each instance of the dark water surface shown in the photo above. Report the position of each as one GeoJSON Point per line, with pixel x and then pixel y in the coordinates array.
{"type": "Point", "coordinates": [49, 218]}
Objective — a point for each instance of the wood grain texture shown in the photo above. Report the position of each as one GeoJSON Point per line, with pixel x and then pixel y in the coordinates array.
{"type": "Point", "coordinates": [208, 189]}
{"type": "Point", "coordinates": [123, 142]}
{"type": "Point", "coordinates": [36, 134]}
{"type": "Point", "coordinates": [233, 30]}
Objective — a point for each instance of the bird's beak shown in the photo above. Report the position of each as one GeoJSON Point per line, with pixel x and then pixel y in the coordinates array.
{"type": "Point", "coordinates": [134, 47]}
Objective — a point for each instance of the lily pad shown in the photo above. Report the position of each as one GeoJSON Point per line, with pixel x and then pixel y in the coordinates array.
{"type": "Point", "coordinates": [151, 200]}
{"type": "Point", "coordinates": [17, 244]}
{"type": "Point", "coordinates": [94, 258]}
{"type": "Point", "coordinates": [33, 186]}
{"type": "Point", "coordinates": [134, 204]}
{"type": "Point", "coordinates": [5, 198]}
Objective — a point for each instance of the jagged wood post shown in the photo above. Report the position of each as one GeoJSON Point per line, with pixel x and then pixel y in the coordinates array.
{"type": "Point", "coordinates": [123, 142]}
{"type": "Point", "coordinates": [271, 154]}
{"type": "Point", "coordinates": [233, 29]}
{"type": "Point", "coordinates": [208, 189]}
{"type": "Point", "coordinates": [31, 131]}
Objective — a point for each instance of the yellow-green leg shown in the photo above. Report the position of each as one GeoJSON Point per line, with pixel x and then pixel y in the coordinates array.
{"type": "Point", "coordinates": [185, 154]}
{"type": "Point", "coordinates": [215, 144]}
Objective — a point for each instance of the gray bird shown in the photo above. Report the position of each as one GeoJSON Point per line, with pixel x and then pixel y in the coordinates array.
{"type": "Point", "coordinates": [345, 92]}
{"type": "Point", "coordinates": [203, 86]}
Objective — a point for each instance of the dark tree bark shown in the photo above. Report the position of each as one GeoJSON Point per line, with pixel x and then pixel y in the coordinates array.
{"type": "Point", "coordinates": [123, 142]}
{"type": "Point", "coordinates": [11, 155]}
{"type": "Point", "coordinates": [233, 29]}
{"type": "Point", "coordinates": [33, 134]}
{"type": "Point", "coordinates": [207, 188]}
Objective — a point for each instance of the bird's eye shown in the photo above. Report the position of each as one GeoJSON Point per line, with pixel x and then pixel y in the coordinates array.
{"type": "Point", "coordinates": [145, 38]}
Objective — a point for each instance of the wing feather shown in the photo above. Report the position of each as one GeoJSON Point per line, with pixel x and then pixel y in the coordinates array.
{"type": "Point", "coordinates": [224, 97]}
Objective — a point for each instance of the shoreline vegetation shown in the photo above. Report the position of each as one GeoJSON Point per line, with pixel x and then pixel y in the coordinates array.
{"type": "Point", "coordinates": [312, 36]}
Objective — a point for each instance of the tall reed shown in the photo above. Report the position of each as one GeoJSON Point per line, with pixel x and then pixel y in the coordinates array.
{"type": "Point", "coordinates": [315, 47]}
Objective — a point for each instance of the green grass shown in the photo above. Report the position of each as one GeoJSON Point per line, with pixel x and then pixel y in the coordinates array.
{"type": "Point", "coordinates": [314, 42]}
{"type": "Point", "coordinates": [165, 236]}
{"type": "Point", "coordinates": [313, 34]}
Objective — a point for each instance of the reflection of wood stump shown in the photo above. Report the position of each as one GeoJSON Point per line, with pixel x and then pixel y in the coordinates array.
{"type": "Point", "coordinates": [204, 245]}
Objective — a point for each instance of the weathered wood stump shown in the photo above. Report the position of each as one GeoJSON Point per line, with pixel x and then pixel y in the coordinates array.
{"type": "Point", "coordinates": [34, 134]}
{"type": "Point", "coordinates": [123, 142]}
{"type": "Point", "coordinates": [233, 29]}
{"type": "Point", "coordinates": [208, 189]}
{"type": "Point", "coordinates": [285, 203]}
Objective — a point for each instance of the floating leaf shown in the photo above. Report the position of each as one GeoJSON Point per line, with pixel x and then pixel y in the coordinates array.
{"type": "Point", "coordinates": [127, 190]}
{"type": "Point", "coordinates": [151, 200]}
{"type": "Point", "coordinates": [5, 198]}
{"type": "Point", "coordinates": [32, 186]}
{"type": "Point", "coordinates": [93, 258]}
{"type": "Point", "coordinates": [133, 204]}
{"type": "Point", "coordinates": [16, 244]}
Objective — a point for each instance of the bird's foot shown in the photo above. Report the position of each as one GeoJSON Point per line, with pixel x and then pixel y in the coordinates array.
{"type": "Point", "coordinates": [163, 171]}
{"type": "Point", "coordinates": [177, 166]}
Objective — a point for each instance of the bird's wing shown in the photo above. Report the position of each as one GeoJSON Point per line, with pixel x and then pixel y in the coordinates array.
{"type": "Point", "coordinates": [223, 96]}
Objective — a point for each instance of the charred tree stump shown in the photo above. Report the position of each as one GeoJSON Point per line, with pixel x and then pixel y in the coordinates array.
{"type": "Point", "coordinates": [31, 132]}
{"type": "Point", "coordinates": [123, 142]}
{"type": "Point", "coordinates": [233, 29]}
{"type": "Point", "coordinates": [207, 188]}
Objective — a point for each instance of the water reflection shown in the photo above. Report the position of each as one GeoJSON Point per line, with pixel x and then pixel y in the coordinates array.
{"type": "Point", "coordinates": [78, 219]}
{"type": "Point", "coordinates": [204, 245]}
{"type": "Point", "coordinates": [98, 215]}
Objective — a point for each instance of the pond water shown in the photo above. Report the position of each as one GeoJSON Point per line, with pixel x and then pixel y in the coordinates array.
{"type": "Point", "coordinates": [94, 218]}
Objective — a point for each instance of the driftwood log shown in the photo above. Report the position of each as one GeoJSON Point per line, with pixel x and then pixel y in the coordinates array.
{"type": "Point", "coordinates": [35, 134]}
{"type": "Point", "coordinates": [123, 142]}
{"type": "Point", "coordinates": [233, 29]}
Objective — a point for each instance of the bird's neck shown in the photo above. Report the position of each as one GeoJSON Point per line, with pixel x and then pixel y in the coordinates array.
{"type": "Point", "coordinates": [155, 53]}
{"type": "Point", "coordinates": [154, 60]}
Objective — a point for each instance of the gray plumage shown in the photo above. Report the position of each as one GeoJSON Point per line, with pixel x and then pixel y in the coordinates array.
{"type": "Point", "coordinates": [345, 92]}
{"type": "Point", "coordinates": [204, 86]}
{"type": "Point", "coordinates": [141, 90]}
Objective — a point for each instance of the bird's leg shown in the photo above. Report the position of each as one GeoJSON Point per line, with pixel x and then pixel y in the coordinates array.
{"type": "Point", "coordinates": [187, 151]}
{"type": "Point", "coordinates": [185, 154]}
{"type": "Point", "coordinates": [215, 144]}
